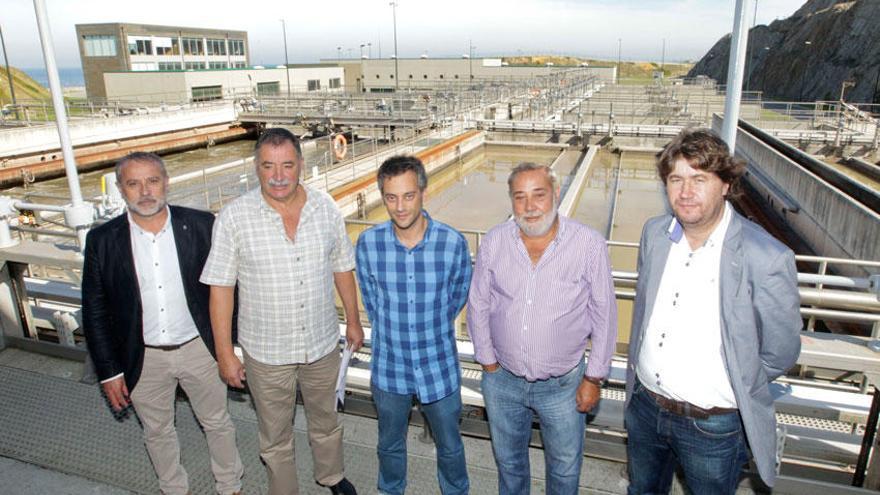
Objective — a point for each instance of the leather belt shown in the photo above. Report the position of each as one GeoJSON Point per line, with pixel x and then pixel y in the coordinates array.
{"type": "Point", "coordinates": [172, 347]}
{"type": "Point", "coordinates": [687, 409]}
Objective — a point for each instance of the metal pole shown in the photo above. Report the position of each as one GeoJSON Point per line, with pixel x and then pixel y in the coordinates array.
{"type": "Point", "coordinates": [471, 60]}
{"type": "Point", "coordinates": [396, 54]}
{"type": "Point", "coordinates": [618, 59]}
{"type": "Point", "coordinates": [58, 102]}
{"type": "Point", "coordinates": [750, 65]}
{"type": "Point", "coordinates": [867, 440]}
{"type": "Point", "coordinates": [286, 62]}
{"type": "Point", "coordinates": [9, 74]}
{"type": "Point", "coordinates": [735, 65]}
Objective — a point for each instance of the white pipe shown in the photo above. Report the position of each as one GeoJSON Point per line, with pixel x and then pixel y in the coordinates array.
{"type": "Point", "coordinates": [735, 69]}
{"type": "Point", "coordinates": [58, 102]}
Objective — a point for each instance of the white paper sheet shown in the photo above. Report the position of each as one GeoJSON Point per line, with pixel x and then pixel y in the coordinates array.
{"type": "Point", "coordinates": [343, 373]}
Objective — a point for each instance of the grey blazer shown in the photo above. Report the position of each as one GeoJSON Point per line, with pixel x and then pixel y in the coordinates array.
{"type": "Point", "coordinates": [760, 321]}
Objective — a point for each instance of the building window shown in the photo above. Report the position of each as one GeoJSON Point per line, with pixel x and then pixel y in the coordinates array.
{"type": "Point", "coordinates": [456, 76]}
{"type": "Point", "coordinates": [441, 76]}
{"type": "Point", "coordinates": [139, 46]}
{"type": "Point", "coordinates": [217, 65]}
{"type": "Point", "coordinates": [236, 47]}
{"type": "Point", "coordinates": [381, 90]}
{"type": "Point", "coordinates": [272, 88]}
{"type": "Point", "coordinates": [194, 65]}
{"type": "Point", "coordinates": [425, 76]}
{"type": "Point", "coordinates": [335, 83]}
{"type": "Point", "coordinates": [239, 65]}
{"type": "Point", "coordinates": [193, 46]}
{"type": "Point", "coordinates": [207, 93]}
{"type": "Point", "coordinates": [314, 84]}
{"type": "Point", "coordinates": [170, 66]}
{"type": "Point", "coordinates": [391, 76]}
{"type": "Point", "coordinates": [410, 76]}
{"type": "Point", "coordinates": [100, 45]}
{"type": "Point", "coordinates": [165, 46]}
{"type": "Point", "coordinates": [144, 66]}
{"type": "Point", "coordinates": [216, 47]}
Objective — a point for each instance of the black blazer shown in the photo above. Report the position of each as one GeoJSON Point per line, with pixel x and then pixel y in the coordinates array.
{"type": "Point", "coordinates": [111, 301]}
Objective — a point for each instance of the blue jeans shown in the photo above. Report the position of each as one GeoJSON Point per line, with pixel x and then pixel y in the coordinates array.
{"type": "Point", "coordinates": [443, 417]}
{"type": "Point", "coordinates": [512, 402]}
{"type": "Point", "coordinates": [710, 451]}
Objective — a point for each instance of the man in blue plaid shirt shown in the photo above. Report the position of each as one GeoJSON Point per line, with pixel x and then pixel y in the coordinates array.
{"type": "Point", "coordinates": [414, 274]}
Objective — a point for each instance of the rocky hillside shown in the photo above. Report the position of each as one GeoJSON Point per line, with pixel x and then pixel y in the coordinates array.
{"type": "Point", "coordinates": [810, 54]}
{"type": "Point", "coordinates": [628, 70]}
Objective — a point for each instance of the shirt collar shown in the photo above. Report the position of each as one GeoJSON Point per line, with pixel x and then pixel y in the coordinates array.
{"type": "Point", "coordinates": [135, 228]}
{"type": "Point", "coordinates": [676, 231]}
{"type": "Point", "coordinates": [265, 207]}
{"type": "Point", "coordinates": [429, 233]}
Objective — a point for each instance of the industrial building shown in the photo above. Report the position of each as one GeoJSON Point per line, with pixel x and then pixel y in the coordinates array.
{"type": "Point", "coordinates": [114, 47]}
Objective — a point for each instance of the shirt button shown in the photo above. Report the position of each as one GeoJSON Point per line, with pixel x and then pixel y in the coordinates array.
{"type": "Point", "coordinates": [156, 264]}
{"type": "Point", "coordinates": [160, 286]}
{"type": "Point", "coordinates": [162, 310]}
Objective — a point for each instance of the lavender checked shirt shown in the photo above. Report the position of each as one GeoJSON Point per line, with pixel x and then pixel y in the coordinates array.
{"type": "Point", "coordinates": [535, 320]}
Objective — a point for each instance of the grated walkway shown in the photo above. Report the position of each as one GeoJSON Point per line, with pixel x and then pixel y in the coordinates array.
{"type": "Point", "coordinates": [65, 426]}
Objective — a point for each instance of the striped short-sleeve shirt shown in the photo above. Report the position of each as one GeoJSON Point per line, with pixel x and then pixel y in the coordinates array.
{"type": "Point", "coordinates": [286, 306]}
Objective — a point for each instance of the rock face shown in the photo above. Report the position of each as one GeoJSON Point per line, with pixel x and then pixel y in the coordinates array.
{"type": "Point", "coordinates": [809, 55]}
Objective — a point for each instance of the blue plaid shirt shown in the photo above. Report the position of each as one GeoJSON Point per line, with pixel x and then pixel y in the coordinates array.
{"type": "Point", "coordinates": [412, 297]}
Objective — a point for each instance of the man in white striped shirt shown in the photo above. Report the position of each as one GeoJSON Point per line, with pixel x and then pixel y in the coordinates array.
{"type": "Point", "coordinates": [284, 244]}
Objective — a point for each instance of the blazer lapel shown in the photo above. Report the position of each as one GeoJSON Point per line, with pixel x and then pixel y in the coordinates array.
{"type": "Point", "coordinates": [656, 263]}
{"type": "Point", "coordinates": [731, 269]}
{"type": "Point", "coordinates": [122, 245]}
{"type": "Point", "coordinates": [182, 239]}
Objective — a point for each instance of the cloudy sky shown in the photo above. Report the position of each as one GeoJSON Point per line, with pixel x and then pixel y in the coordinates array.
{"type": "Point", "coordinates": [441, 29]}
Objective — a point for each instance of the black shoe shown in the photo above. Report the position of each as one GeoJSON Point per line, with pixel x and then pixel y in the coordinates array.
{"type": "Point", "coordinates": [344, 487]}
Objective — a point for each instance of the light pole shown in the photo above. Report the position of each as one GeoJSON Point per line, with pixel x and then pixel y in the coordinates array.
{"type": "Point", "coordinates": [750, 65]}
{"type": "Point", "coordinates": [471, 59]}
{"type": "Point", "coordinates": [9, 75]}
{"type": "Point", "coordinates": [362, 50]}
{"type": "Point", "coordinates": [396, 54]}
{"type": "Point", "coordinates": [369, 50]}
{"type": "Point", "coordinates": [286, 68]}
{"type": "Point", "coordinates": [619, 42]}
{"type": "Point", "coordinates": [339, 53]}
{"type": "Point", "coordinates": [804, 73]}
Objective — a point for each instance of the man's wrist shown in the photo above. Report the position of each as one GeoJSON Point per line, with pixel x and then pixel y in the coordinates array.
{"type": "Point", "coordinates": [595, 380]}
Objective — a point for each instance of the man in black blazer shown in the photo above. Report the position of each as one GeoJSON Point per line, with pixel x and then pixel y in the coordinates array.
{"type": "Point", "coordinates": [146, 321]}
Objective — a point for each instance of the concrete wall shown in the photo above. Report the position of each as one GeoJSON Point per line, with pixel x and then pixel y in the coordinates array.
{"type": "Point", "coordinates": [26, 140]}
{"type": "Point", "coordinates": [362, 75]}
{"type": "Point", "coordinates": [829, 222]}
{"type": "Point", "coordinates": [176, 86]}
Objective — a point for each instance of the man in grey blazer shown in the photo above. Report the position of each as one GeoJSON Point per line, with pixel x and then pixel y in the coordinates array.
{"type": "Point", "coordinates": [716, 319]}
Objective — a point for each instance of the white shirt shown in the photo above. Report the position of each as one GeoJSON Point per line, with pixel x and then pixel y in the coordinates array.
{"type": "Point", "coordinates": [286, 303]}
{"type": "Point", "coordinates": [681, 356]}
{"type": "Point", "coordinates": [166, 316]}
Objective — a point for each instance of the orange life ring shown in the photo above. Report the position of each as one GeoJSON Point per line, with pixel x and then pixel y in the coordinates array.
{"type": "Point", "coordinates": [340, 146]}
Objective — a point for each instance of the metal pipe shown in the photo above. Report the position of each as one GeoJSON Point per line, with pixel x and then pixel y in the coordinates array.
{"type": "Point", "coordinates": [58, 102]}
{"type": "Point", "coordinates": [22, 205]}
{"type": "Point", "coordinates": [735, 66]}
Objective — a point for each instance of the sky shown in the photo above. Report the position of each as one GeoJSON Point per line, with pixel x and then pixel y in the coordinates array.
{"type": "Point", "coordinates": [585, 28]}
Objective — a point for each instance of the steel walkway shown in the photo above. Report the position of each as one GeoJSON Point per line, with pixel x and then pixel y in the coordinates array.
{"type": "Point", "coordinates": [59, 423]}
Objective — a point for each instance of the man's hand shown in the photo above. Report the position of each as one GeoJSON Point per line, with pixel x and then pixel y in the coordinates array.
{"type": "Point", "coordinates": [588, 395]}
{"type": "Point", "coordinates": [117, 393]}
{"type": "Point", "coordinates": [231, 371]}
{"type": "Point", "coordinates": [354, 334]}
{"type": "Point", "coordinates": [490, 368]}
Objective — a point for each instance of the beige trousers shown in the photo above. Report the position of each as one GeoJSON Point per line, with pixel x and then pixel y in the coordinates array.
{"type": "Point", "coordinates": [195, 370]}
{"type": "Point", "coordinates": [273, 388]}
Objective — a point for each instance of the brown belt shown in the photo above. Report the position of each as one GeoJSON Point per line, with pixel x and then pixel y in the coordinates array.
{"type": "Point", "coordinates": [173, 347]}
{"type": "Point", "coordinates": [687, 409]}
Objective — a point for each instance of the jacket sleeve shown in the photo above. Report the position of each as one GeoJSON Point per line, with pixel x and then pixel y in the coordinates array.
{"type": "Point", "coordinates": [777, 312]}
{"type": "Point", "coordinates": [96, 315]}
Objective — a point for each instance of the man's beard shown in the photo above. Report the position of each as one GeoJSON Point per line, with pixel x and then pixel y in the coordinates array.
{"type": "Point", "coordinates": [537, 229]}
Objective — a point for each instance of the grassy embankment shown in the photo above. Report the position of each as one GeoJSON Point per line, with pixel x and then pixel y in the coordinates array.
{"type": "Point", "coordinates": [630, 72]}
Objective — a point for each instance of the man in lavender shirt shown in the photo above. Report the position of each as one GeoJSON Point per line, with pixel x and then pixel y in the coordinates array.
{"type": "Point", "coordinates": [542, 288]}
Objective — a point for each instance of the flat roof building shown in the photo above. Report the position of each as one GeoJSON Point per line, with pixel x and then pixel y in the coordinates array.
{"type": "Point", "coordinates": [118, 47]}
